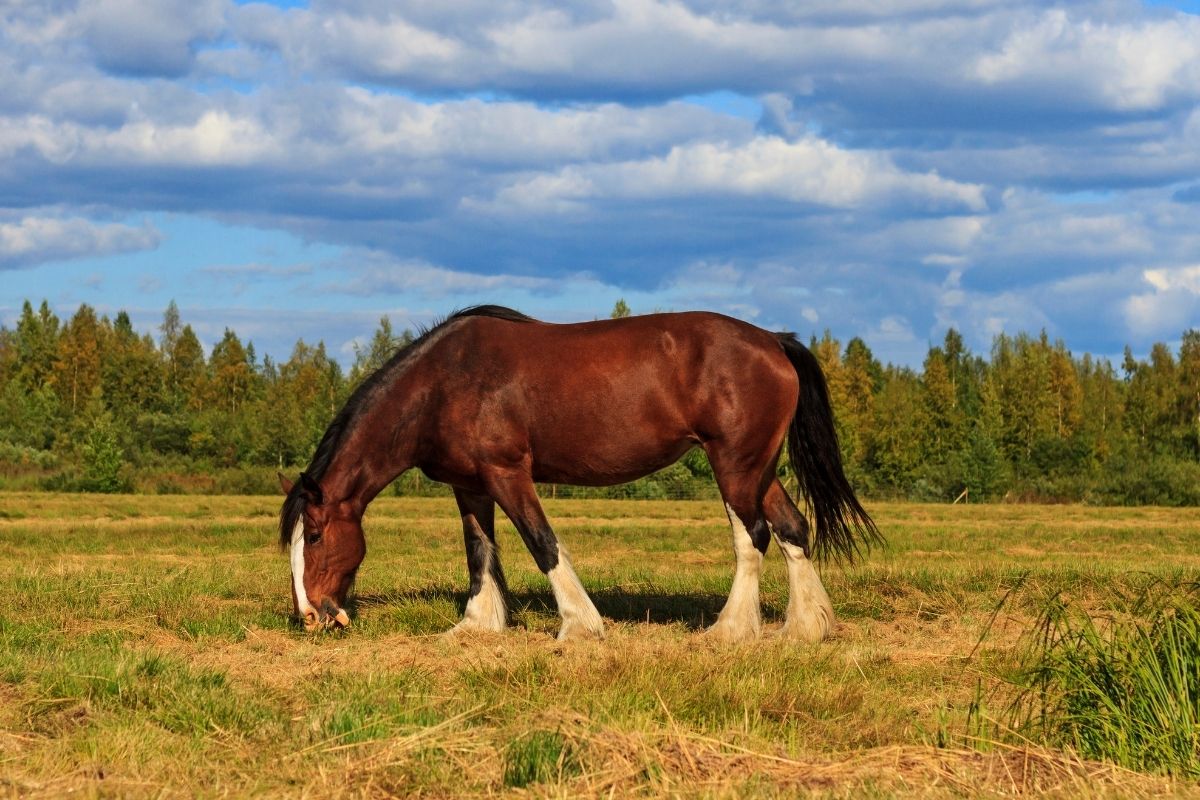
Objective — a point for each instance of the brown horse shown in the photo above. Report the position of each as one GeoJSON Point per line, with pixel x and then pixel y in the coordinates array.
{"type": "Point", "coordinates": [491, 401]}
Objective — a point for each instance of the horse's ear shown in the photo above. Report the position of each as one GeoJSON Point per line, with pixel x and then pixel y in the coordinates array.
{"type": "Point", "coordinates": [284, 483]}
{"type": "Point", "coordinates": [312, 491]}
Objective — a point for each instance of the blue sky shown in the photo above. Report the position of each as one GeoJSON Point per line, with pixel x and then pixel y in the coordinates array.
{"type": "Point", "coordinates": [883, 170]}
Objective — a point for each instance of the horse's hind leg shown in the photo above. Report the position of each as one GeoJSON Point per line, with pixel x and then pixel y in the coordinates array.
{"type": "Point", "coordinates": [741, 488]}
{"type": "Point", "coordinates": [809, 612]}
{"type": "Point", "coordinates": [486, 609]}
{"type": "Point", "coordinates": [516, 495]}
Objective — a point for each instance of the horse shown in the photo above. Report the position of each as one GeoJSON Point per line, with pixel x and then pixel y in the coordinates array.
{"type": "Point", "coordinates": [491, 402]}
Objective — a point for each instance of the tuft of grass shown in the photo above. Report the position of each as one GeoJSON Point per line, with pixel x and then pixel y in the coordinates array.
{"type": "Point", "coordinates": [101, 673]}
{"type": "Point", "coordinates": [1124, 688]}
{"type": "Point", "coordinates": [538, 757]}
{"type": "Point", "coordinates": [354, 709]}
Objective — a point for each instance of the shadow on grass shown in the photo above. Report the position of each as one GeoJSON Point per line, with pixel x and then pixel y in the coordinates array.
{"type": "Point", "coordinates": [694, 610]}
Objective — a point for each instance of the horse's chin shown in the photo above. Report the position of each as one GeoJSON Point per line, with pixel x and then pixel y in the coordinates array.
{"type": "Point", "coordinates": [330, 617]}
{"type": "Point", "coordinates": [340, 622]}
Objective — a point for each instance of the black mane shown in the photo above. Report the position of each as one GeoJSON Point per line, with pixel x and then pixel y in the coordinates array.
{"type": "Point", "coordinates": [361, 398]}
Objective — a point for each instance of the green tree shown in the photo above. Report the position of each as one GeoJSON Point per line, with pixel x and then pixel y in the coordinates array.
{"type": "Point", "coordinates": [983, 470]}
{"type": "Point", "coordinates": [77, 363]}
{"type": "Point", "coordinates": [188, 379]}
{"type": "Point", "coordinates": [36, 343]}
{"type": "Point", "coordinates": [620, 310]}
{"type": "Point", "coordinates": [306, 395]}
{"type": "Point", "coordinates": [1022, 383]}
{"type": "Point", "coordinates": [383, 345]}
{"type": "Point", "coordinates": [966, 373]}
{"type": "Point", "coordinates": [1102, 408]}
{"type": "Point", "coordinates": [843, 395]}
{"type": "Point", "coordinates": [947, 426]}
{"type": "Point", "coordinates": [1188, 403]}
{"type": "Point", "coordinates": [131, 372]}
{"type": "Point", "coordinates": [900, 431]}
{"type": "Point", "coordinates": [231, 375]}
{"type": "Point", "coordinates": [30, 418]}
{"type": "Point", "coordinates": [8, 356]}
{"type": "Point", "coordinates": [103, 460]}
{"type": "Point", "coordinates": [1152, 398]}
{"type": "Point", "coordinates": [1066, 392]}
{"type": "Point", "coordinates": [860, 377]}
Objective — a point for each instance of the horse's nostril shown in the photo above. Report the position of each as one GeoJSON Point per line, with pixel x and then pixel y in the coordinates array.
{"type": "Point", "coordinates": [332, 615]}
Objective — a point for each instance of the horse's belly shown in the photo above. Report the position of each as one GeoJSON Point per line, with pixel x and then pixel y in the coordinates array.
{"type": "Point", "coordinates": [606, 463]}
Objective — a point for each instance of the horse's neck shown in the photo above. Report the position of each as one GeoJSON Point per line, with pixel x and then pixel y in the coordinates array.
{"type": "Point", "coordinates": [383, 447]}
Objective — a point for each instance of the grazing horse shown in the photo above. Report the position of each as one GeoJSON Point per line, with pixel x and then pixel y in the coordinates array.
{"type": "Point", "coordinates": [491, 402]}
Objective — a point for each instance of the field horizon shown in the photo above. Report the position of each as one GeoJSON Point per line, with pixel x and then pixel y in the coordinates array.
{"type": "Point", "coordinates": [147, 650]}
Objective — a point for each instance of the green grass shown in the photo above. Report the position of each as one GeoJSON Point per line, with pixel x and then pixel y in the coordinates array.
{"type": "Point", "coordinates": [146, 649]}
{"type": "Point", "coordinates": [538, 757]}
{"type": "Point", "coordinates": [1124, 688]}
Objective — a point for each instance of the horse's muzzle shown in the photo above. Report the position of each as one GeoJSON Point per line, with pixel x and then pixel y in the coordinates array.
{"type": "Point", "coordinates": [329, 617]}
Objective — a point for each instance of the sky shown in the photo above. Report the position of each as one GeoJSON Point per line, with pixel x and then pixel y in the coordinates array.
{"type": "Point", "coordinates": [877, 169]}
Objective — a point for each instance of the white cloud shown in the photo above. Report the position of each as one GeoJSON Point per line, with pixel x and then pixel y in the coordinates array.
{"type": "Point", "coordinates": [216, 137]}
{"type": "Point", "coordinates": [1097, 55]}
{"type": "Point", "coordinates": [129, 37]}
{"type": "Point", "coordinates": [518, 134]}
{"type": "Point", "coordinates": [808, 171]}
{"type": "Point", "coordinates": [1125, 66]}
{"type": "Point", "coordinates": [379, 274]}
{"type": "Point", "coordinates": [892, 329]}
{"type": "Point", "coordinates": [1172, 304]}
{"type": "Point", "coordinates": [36, 239]}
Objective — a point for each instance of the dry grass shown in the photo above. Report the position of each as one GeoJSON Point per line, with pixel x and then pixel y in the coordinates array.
{"type": "Point", "coordinates": [145, 651]}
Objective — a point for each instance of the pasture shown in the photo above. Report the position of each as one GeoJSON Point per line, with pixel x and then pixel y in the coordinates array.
{"type": "Point", "coordinates": [145, 650]}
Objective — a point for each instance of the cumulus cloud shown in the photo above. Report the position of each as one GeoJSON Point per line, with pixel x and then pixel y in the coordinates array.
{"type": "Point", "coordinates": [807, 171]}
{"type": "Point", "coordinates": [915, 163]}
{"type": "Point", "coordinates": [377, 274]}
{"type": "Point", "coordinates": [1125, 66]}
{"type": "Point", "coordinates": [1169, 303]}
{"type": "Point", "coordinates": [1092, 56]}
{"type": "Point", "coordinates": [215, 137]}
{"type": "Point", "coordinates": [31, 239]}
{"type": "Point", "coordinates": [149, 37]}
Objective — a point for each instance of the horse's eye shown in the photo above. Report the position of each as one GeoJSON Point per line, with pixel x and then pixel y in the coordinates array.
{"type": "Point", "coordinates": [313, 538]}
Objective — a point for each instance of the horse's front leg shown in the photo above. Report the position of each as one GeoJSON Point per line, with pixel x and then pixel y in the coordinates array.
{"type": "Point", "coordinates": [515, 493]}
{"type": "Point", "coordinates": [486, 609]}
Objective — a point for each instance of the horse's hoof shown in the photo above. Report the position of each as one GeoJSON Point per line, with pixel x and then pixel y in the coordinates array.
{"type": "Point", "coordinates": [812, 626]}
{"type": "Point", "coordinates": [729, 633]}
{"type": "Point", "coordinates": [579, 632]}
{"type": "Point", "coordinates": [472, 628]}
{"type": "Point", "coordinates": [809, 634]}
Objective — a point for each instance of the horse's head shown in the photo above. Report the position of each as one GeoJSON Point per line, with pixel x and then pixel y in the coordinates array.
{"type": "Point", "coordinates": [327, 545]}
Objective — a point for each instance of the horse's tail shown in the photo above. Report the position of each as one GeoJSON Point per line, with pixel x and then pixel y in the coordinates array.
{"type": "Point", "coordinates": [843, 526]}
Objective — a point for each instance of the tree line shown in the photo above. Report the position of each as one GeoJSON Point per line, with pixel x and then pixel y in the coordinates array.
{"type": "Point", "coordinates": [88, 403]}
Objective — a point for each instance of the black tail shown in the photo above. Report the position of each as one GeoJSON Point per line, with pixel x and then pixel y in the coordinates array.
{"type": "Point", "coordinates": [843, 527]}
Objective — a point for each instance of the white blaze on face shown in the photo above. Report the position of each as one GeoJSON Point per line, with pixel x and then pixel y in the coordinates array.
{"type": "Point", "coordinates": [306, 608]}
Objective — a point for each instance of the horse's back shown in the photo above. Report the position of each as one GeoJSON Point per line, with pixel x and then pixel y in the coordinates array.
{"type": "Point", "coordinates": [684, 354]}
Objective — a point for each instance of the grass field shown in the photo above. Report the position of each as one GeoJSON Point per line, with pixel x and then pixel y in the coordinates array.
{"type": "Point", "coordinates": [145, 650]}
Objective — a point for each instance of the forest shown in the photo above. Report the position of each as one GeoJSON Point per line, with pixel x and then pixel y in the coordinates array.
{"type": "Point", "coordinates": [90, 404]}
